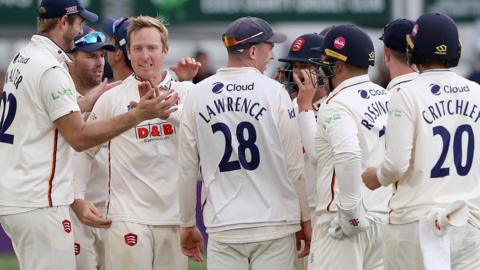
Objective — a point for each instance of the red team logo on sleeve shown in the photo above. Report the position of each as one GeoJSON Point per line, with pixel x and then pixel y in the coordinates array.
{"type": "Point", "coordinates": [130, 239]}
{"type": "Point", "coordinates": [67, 226]}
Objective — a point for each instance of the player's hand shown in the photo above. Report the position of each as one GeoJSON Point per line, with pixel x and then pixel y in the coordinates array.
{"type": "Point", "coordinates": [154, 102]}
{"type": "Point", "coordinates": [279, 75]}
{"type": "Point", "coordinates": [191, 242]}
{"type": "Point", "coordinates": [305, 235]}
{"type": "Point", "coordinates": [89, 214]}
{"type": "Point", "coordinates": [370, 178]}
{"type": "Point", "coordinates": [186, 68]}
{"type": "Point", "coordinates": [87, 102]}
{"type": "Point", "coordinates": [306, 90]}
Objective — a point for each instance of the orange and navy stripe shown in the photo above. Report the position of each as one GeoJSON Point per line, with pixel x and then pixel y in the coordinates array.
{"type": "Point", "coordinates": [332, 191]}
{"type": "Point", "coordinates": [53, 167]}
{"type": "Point", "coordinates": [393, 194]}
{"type": "Point", "coordinates": [109, 176]}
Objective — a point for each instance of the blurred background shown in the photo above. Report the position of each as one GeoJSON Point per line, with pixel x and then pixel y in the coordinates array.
{"type": "Point", "coordinates": [195, 29]}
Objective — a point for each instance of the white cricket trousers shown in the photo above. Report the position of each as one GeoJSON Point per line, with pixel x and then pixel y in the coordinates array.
{"type": "Point", "coordinates": [42, 238]}
{"type": "Point", "coordinates": [360, 252]}
{"type": "Point", "coordinates": [133, 246]}
{"type": "Point", "coordinates": [89, 243]}
{"type": "Point", "coordinates": [402, 247]}
{"type": "Point", "coordinates": [277, 254]}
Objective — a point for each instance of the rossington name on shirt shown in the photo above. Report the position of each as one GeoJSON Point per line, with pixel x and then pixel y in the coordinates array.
{"type": "Point", "coordinates": [376, 109]}
{"type": "Point", "coordinates": [232, 104]}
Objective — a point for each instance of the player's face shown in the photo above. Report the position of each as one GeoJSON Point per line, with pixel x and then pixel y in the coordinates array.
{"type": "Point", "coordinates": [264, 54]}
{"type": "Point", "coordinates": [111, 55]}
{"type": "Point", "coordinates": [74, 29]}
{"type": "Point", "coordinates": [297, 67]}
{"type": "Point", "coordinates": [146, 52]}
{"type": "Point", "coordinates": [89, 66]}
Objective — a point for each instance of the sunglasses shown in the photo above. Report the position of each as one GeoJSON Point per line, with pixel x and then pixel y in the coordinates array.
{"type": "Point", "coordinates": [117, 24]}
{"type": "Point", "coordinates": [91, 38]}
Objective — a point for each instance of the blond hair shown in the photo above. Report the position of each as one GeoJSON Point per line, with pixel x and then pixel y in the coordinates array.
{"type": "Point", "coordinates": [46, 25]}
{"type": "Point", "coordinates": [140, 22]}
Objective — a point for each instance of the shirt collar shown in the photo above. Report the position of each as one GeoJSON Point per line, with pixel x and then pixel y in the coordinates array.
{"type": "Point", "coordinates": [236, 69]}
{"type": "Point", "coordinates": [401, 79]}
{"type": "Point", "coordinates": [435, 71]}
{"type": "Point", "coordinates": [52, 47]}
{"type": "Point", "coordinates": [350, 82]}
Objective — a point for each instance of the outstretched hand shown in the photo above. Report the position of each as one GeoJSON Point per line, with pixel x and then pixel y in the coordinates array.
{"type": "Point", "coordinates": [87, 102]}
{"type": "Point", "coordinates": [186, 68]}
{"type": "Point", "coordinates": [154, 102]}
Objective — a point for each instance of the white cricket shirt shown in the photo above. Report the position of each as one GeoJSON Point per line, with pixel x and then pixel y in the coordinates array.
{"type": "Point", "coordinates": [432, 145]}
{"type": "Point", "coordinates": [35, 161]}
{"type": "Point", "coordinates": [350, 128]}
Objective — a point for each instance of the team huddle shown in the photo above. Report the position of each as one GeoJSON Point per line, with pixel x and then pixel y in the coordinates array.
{"type": "Point", "coordinates": [316, 168]}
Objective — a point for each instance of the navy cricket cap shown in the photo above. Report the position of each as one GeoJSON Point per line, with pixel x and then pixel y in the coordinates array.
{"type": "Point", "coordinates": [301, 49]}
{"type": "Point", "coordinates": [117, 29]}
{"type": "Point", "coordinates": [58, 8]}
{"type": "Point", "coordinates": [91, 41]}
{"type": "Point", "coordinates": [349, 44]}
{"type": "Point", "coordinates": [434, 37]}
{"type": "Point", "coordinates": [248, 31]}
{"type": "Point", "coordinates": [395, 34]}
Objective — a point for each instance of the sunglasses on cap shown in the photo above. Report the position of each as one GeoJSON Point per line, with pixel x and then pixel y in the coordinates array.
{"type": "Point", "coordinates": [91, 38]}
{"type": "Point", "coordinates": [117, 24]}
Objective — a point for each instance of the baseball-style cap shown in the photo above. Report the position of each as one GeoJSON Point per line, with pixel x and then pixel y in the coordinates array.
{"type": "Point", "coordinates": [301, 49]}
{"type": "Point", "coordinates": [434, 37]}
{"type": "Point", "coordinates": [117, 28]}
{"type": "Point", "coordinates": [57, 8]}
{"type": "Point", "coordinates": [91, 41]}
{"type": "Point", "coordinates": [248, 31]}
{"type": "Point", "coordinates": [395, 34]}
{"type": "Point", "coordinates": [349, 44]}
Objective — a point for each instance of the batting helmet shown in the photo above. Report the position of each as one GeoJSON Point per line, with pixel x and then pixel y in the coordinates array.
{"type": "Point", "coordinates": [434, 37]}
{"type": "Point", "coordinates": [300, 51]}
{"type": "Point", "coordinates": [349, 44]}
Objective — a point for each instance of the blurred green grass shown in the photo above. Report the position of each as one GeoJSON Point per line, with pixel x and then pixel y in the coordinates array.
{"type": "Point", "coordinates": [9, 262]}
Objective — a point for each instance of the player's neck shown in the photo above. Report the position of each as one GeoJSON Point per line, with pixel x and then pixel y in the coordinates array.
{"type": "Point", "coordinates": [400, 69]}
{"type": "Point", "coordinates": [121, 72]}
{"type": "Point", "coordinates": [58, 39]}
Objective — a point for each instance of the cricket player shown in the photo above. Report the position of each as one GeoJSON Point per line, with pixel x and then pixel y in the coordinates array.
{"type": "Point", "coordinates": [116, 31]}
{"type": "Point", "coordinates": [298, 59]}
{"type": "Point", "coordinates": [143, 205]}
{"type": "Point", "coordinates": [350, 129]}
{"type": "Point", "coordinates": [395, 53]}
{"type": "Point", "coordinates": [42, 126]}
{"type": "Point", "coordinates": [87, 71]}
{"type": "Point", "coordinates": [431, 158]}
{"type": "Point", "coordinates": [240, 126]}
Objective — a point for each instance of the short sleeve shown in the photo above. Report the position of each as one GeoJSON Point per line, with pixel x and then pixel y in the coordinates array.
{"type": "Point", "coordinates": [58, 93]}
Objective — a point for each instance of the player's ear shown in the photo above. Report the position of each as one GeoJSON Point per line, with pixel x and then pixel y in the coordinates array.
{"type": "Point", "coordinates": [252, 51]}
{"type": "Point", "coordinates": [386, 55]}
{"type": "Point", "coordinates": [118, 55]}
